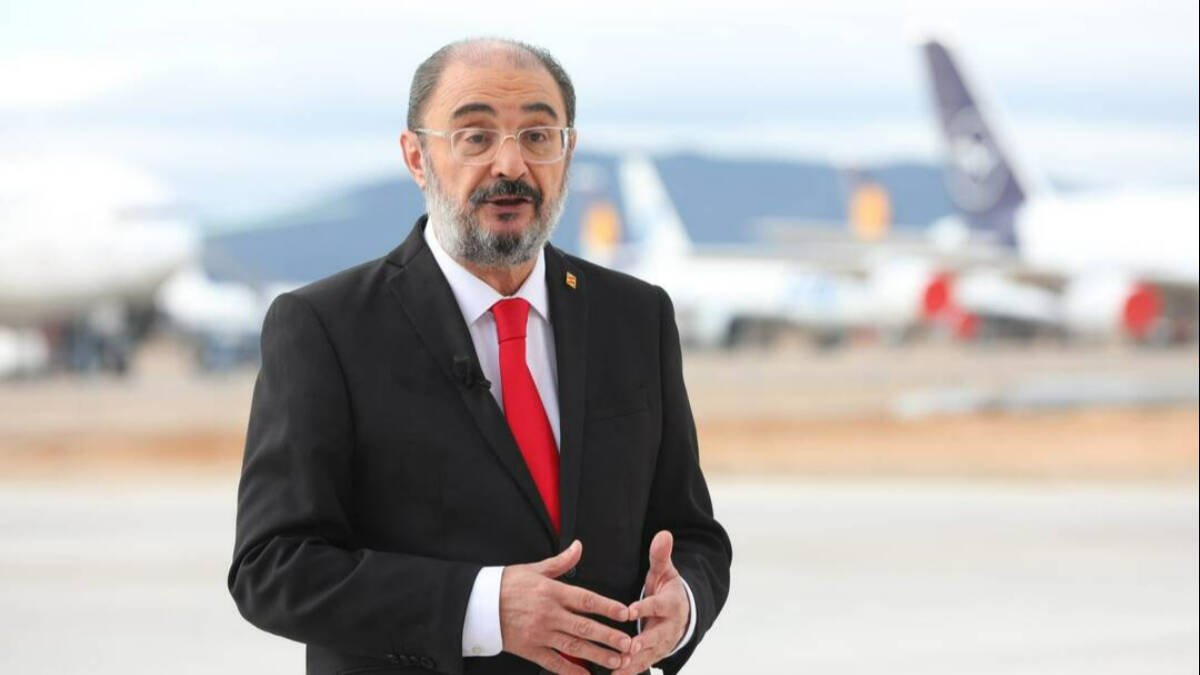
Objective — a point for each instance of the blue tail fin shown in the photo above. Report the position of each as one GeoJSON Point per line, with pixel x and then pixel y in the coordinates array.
{"type": "Point", "coordinates": [981, 179]}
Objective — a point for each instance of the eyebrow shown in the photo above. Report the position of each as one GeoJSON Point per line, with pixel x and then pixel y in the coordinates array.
{"type": "Point", "coordinates": [540, 107]}
{"type": "Point", "coordinates": [468, 108]}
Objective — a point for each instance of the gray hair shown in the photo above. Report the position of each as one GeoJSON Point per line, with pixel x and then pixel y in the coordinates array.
{"type": "Point", "coordinates": [460, 234]}
{"type": "Point", "coordinates": [478, 50]}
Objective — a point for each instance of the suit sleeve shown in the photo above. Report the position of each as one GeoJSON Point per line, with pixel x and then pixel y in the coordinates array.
{"type": "Point", "coordinates": [298, 569]}
{"type": "Point", "coordinates": [679, 499]}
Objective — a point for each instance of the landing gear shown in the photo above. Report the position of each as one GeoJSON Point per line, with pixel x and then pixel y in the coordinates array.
{"type": "Point", "coordinates": [101, 342]}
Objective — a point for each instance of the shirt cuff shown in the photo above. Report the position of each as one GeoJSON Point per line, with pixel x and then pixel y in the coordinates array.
{"type": "Point", "coordinates": [481, 627]}
{"type": "Point", "coordinates": [687, 636]}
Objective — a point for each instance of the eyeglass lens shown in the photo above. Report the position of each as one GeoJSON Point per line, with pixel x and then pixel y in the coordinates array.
{"type": "Point", "coordinates": [538, 144]}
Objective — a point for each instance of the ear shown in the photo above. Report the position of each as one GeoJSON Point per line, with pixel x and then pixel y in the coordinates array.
{"type": "Point", "coordinates": [410, 148]}
{"type": "Point", "coordinates": [570, 151]}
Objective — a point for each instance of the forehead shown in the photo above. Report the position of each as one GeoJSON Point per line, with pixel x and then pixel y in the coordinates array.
{"type": "Point", "coordinates": [508, 89]}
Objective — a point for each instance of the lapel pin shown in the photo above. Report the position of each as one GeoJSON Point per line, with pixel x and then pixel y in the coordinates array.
{"type": "Point", "coordinates": [570, 280]}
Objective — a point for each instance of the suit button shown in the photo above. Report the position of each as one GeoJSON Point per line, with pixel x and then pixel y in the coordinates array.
{"type": "Point", "coordinates": [427, 663]}
{"type": "Point", "coordinates": [394, 658]}
{"type": "Point", "coordinates": [570, 573]}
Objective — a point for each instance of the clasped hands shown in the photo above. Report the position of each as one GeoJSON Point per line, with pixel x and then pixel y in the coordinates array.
{"type": "Point", "coordinates": [542, 619]}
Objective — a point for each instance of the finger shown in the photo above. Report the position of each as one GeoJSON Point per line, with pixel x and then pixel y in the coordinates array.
{"type": "Point", "coordinates": [590, 651]}
{"type": "Point", "coordinates": [654, 605]}
{"type": "Point", "coordinates": [583, 627]}
{"type": "Point", "coordinates": [554, 662]}
{"type": "Point", "coordinates": [660, 552]}
{"type": "Point", "coordinates": [653, 581]}
{"type": "Point", "coordinates": [558, 565]}
{"type": "Point", "coordinates": [637, 664]}
{"type": "Point", "coordinates": [583, 600]}
{"type": "Point", "coordinates": [661, 567]}
{"type": "Point", "coordinates": [657, 639]}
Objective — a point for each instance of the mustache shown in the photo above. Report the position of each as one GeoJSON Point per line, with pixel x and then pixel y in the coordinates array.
{"type": "Point", "coordinates": [507, 188]}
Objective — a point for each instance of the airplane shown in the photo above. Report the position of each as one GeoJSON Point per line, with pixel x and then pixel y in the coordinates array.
{"type": "Point", "coordinates": [724, 299]}
{"type": "Point", "coordinates": [87, 242]}
{"type": "Point", "coordinates": [1103, 264]}
{"type": "Point", "coordinates": [220, 320]}
{"type": "Point", "coordinates": [23, 353]}
{"type": "Point", "coordinates": [1017, 259]}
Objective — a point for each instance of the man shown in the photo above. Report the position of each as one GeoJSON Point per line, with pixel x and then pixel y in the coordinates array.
{"type": "Point", "coordinates": [476, 454]}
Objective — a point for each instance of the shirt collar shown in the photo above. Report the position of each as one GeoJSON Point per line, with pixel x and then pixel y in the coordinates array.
{"type": "Point", "coordinates": [475, 298]}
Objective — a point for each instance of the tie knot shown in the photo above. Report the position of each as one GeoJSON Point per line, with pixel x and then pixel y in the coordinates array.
{"type": "Point", "coordinates": [511, 315]}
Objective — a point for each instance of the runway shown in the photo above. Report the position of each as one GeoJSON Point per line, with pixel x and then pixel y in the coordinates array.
{"type": "Point", "coordinates": [830, 577]}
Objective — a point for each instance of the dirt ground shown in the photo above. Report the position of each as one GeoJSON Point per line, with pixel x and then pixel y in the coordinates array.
{"type": "Point", "coordinates": [1106, 443]}
{"type": "Point", "coordinates": [796, 413]}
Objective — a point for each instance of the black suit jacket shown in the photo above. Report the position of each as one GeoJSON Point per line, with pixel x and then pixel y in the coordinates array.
{"type": "Point", "coordinates": [379, 477]}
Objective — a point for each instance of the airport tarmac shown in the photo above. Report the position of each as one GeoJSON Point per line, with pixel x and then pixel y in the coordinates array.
{"type": "Point", "coordinates": [831, 577]}
{"type": "Point", "coordinates": [790, 411]}
{"type": "Point", "coordinates": [1053, 541]}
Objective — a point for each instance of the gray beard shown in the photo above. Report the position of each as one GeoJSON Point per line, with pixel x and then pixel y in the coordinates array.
{"type": "Point", "coordinates": [464, 238]}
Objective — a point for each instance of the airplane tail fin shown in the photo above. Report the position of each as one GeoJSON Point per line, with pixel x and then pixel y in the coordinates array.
{"type": "Point", "coordinates": [654, 224]}
{"type": "Point", "coordinates": [600, 233]}
{"type": "Point", "coordinates": [868, 206]}
{"type": "Point", "coordinates": [981, 178]}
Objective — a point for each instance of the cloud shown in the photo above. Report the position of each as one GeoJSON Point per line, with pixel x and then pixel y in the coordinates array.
{"type": "Point", "coordinates": [54, 79]}
{"type": "Point", "coordinates": [227, 95]}
{"type": "Point", "coordinates": [1097, 153]}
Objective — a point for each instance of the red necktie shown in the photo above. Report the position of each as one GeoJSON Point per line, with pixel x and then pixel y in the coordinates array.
{"type": "Point", "coordinates": [523, 408]}
{"type": "Point", "coordinates": [522, 405]}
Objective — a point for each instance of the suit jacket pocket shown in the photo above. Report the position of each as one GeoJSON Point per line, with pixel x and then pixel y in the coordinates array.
{"type": "Point", "coordinates": [628, 403]}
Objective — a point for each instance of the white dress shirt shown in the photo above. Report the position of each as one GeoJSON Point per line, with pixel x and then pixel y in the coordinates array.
{"type": "Point", "coordinates": [481, 627]}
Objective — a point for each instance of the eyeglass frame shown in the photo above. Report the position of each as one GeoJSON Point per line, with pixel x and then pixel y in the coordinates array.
{"type": "Point", "coordinates": [566, 132]}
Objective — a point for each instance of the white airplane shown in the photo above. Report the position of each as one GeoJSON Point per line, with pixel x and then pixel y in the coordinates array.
{"type": "Point", "coordinates": [84, 245]}
{"type": "Point", "coordinates": [721, 299]}
{"type": "Point", "coordinates": [1120, 262]}
{"type": "Point", "coordinates": [23, 352]}
{"type": "Point", "coordinates": [221, 320]}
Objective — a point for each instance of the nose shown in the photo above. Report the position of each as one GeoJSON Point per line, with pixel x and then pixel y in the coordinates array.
{"type": "Point", "coordinates": [509, 163]}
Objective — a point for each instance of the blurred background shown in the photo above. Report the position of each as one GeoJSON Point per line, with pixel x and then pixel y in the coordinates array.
{"type": "Point", "coordinates": [935, 266]}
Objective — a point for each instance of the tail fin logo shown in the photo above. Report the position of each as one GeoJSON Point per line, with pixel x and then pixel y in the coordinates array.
{"type": "Point", "coordinates": [870, 211]}
{"type": "Point", "coordinates": [978, 173]}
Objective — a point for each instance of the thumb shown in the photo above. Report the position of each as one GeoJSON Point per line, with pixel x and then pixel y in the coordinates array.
{"type": "Point", "coordinates": [661, 568]}
{"type": "Point", "coordinates": [558, 565]}
{"type": "Point", "coordinates": [660, 549]}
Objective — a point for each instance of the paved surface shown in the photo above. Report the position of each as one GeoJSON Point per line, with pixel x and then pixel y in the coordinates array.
{"type": "Point", "coordinates": [791, 411]}
{"type": "Point", "coordinates": [845, 577]}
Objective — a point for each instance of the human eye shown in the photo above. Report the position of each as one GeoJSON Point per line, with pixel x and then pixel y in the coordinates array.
{"type": "Point", "coordinates": [471, 142]}
{"type": "Point", "coordinates": [536, 135]}
{"type": "Point", "coordinates": [475, 137]}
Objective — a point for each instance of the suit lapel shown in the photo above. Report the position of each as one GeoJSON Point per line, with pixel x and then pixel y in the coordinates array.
{"type": "Point", "coordinates": [568, 314]}
{"type": "Point", "coordinates": [429, 304]}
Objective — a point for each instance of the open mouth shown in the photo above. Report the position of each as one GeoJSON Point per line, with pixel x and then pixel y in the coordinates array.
{"type": "Point", "coordinates": [509, 201]}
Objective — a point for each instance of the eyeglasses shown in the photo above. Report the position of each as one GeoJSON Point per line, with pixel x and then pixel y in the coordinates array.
{"type": "Point", "coordinates": [539, 145]}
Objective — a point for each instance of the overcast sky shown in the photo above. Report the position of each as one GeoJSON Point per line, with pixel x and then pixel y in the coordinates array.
{"type": "Point", "coordinates": [244, 107]}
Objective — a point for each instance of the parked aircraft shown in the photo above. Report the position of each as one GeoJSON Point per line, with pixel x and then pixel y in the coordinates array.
{"type": "Point", "coordinates": [220, 320]}
{"type": "Point", "coordinates": [722, 299]}
{"type": "Point", "coordinates": [86, 244]}
{"type": "Point", "coordinates": [23, 352]}
{"type": "Point", "coordinates": [1100, 263]}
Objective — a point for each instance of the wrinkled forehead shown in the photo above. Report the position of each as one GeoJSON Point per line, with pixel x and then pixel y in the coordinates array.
{"type": "Point", "coordinates": [501, 84]}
